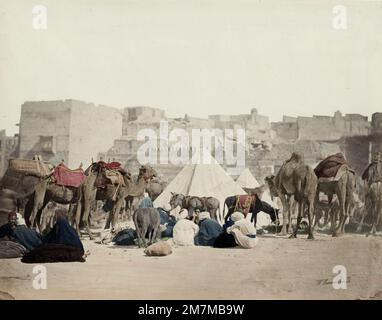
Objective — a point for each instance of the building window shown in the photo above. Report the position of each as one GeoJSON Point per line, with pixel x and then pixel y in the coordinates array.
{"type": "Point", "coordinates": [46, 143]}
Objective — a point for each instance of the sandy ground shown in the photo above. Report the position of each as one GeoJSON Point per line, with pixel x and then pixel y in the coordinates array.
{"type": "Point", "coordinates": [278, 268]}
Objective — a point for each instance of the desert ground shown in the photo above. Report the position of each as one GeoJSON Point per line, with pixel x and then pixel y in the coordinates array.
{"type": "Point", "coordinates": [278, 268]}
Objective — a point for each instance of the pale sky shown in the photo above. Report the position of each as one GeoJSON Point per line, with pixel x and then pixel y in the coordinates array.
{"type": "Point", "coordinates": [195, 57]}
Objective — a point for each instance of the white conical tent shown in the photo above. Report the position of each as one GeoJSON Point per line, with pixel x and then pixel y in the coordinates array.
{"type": "Point", "coordinates": [247, 180]}
{"type": "Point", "coordinates": [202, 180]}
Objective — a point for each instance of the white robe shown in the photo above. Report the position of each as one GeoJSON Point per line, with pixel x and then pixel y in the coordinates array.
{"type": "Point", "coordinates": [184, 232]}
{"type": "Point", "coordinates": [240, 230]}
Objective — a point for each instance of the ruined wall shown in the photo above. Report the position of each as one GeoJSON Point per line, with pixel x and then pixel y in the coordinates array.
{"type": "Point", "coordinates": [376, 132]}
{"type": "Point", "coordinates": [285, 130]}
{"type": "Point", "coordinates": [69, 130]}
{"type": "Point", "coordinates": [92, 129]}
{"type": "Point", "coordinates": [266, 162]}
{"type": "Point", "coordinates": [134, 117]}
{"type": "Point", "coordinates": [356, 151]}
{"type": "Point", "coordinates": [45, 129]}
{"type": "Point", "coordinates": [8, 146]}
{"type": "Point", "coordinates": [325, 128]}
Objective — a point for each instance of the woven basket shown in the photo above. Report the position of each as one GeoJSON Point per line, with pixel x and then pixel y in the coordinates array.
{"type": "Point", "coordinates": [33, 167]}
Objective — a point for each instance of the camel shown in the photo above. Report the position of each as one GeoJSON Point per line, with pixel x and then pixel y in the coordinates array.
{"type": "Point", "coordinates": [375, 196]}
{"type": "Point", "coordinates": [45, 191]}
{"type": "Point", "coordinates": [155, 188]}
{"type": "Point", "coordinates": [91, 194]}
{"type": "Point", "coordinates": [343, 187]}
{"type": "Point", "coordinates": [373, 193]}
{"type": "Point", "coordinates": [146, 173]}
{"type": "Point", "coordinates": [290, 203]}
{"type": "Point", "coordinates": [298, 180]}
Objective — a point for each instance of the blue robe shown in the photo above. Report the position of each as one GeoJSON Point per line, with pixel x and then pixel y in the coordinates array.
{"type": "Point", "coordinates": [21, 234]}
{"type": "Point", "coordinates": [146, 203]}
{"type": "Point", "coordinates": [170, 220]}
{"type": "Point", "coordinates": [209, 230]}
{"type": "Point", "coordinates": [63, 233]}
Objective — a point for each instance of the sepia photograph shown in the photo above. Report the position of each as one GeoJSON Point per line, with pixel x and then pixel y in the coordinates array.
{"type": "Point", "coordinates": [202, 150]}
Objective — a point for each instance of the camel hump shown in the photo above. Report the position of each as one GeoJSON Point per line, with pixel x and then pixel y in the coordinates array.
{"type": "Point", "coordinates": [296, 157]}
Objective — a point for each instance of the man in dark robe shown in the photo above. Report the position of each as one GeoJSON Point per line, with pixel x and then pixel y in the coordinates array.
{"type": "Point", "coordinates": [373, 172]}
{"type": "Point", "coordinates": [61, 244]}
{"type": "Point", "coordinates": [16, 230]}
{"type": "Point", "coordinates": [209, 230]}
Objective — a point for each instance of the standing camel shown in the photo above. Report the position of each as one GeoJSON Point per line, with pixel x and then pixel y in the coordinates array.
{"type": "Point", "coordinates": [146, 173]}
{"type": "Point", "coordinates": [373, 183]}
{"type": "Point", "coordinates": [342, 184]}
{"type": "Point", "coordinates": [45, 191]}
{"type": "Point", "coordinates": [115, 194]}
{"type": "Point", "coordinates": [298, 180]}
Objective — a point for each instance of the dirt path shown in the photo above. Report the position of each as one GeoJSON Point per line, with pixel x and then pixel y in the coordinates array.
{"type": "Point", "coordinates": [278, 268]}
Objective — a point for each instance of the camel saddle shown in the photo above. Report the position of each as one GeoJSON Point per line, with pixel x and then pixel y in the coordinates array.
{"type": "Point", "coordinates": [115, 177]}
{"type": "Point", "coordinates": [63, 176]}
{"type": "Point", "coordinates": [332, 168]}
{"type": "Point", "coordinates": [112, 174]}
{"type": "Point", "coordinates": [244, 202]}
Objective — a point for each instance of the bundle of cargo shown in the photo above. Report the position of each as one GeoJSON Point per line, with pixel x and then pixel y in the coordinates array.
{"type": "Point", "coordinates": [18, 168]}
{"type": "Point", "coordinates": [33, 167]}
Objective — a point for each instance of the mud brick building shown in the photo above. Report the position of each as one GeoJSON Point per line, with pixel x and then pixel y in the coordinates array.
{"type": "Point", "coordinates": [69, 130]}
{"type": "Point", "coordinates": [8, 149]}
{"type": "Point", "coordinates": [76, 132]}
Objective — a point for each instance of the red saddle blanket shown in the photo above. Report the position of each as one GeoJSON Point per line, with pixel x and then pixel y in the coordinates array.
{"type": "Point", "coordinates": [329, 167]}
{"type": "Point", "coordinates": [244, 203]}
{"type": "Point", "coordinates": [63, 176]}
{"type": "Point", "coordinates": [111, 165]}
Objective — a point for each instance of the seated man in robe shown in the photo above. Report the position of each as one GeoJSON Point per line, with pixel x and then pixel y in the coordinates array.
{"type": "Point", "coordinates": [225, 239]}
{"type": "Point", "coordinates": [244, 233]}
{"type": "Point", "coordinates": [184, 230]}
{"type": "Point", "coordinates": [167, 220]}
{"type": "Point", "coordinates": [209, 230]}
{"type": "Point", "coordinates": [61, 244]}
{"type": "Point", "coordinates": [17, 231]}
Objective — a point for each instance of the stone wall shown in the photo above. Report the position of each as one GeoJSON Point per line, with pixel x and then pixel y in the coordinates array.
{"type": "Point", "coordinates": [45, 130]}
{"type": "Point", "coordinates": [264, 162]}
{"type": "Point", "coordinates": [376, 132]}
{"type": "Point", "coordinates": [325, 128]}
{"type": "Point", "coordinates": [92, 129]}
{"type": "Point", "coordinates": [8, 147]}
{"type": "Point", "coordinates": [285, 130]}
{"type": "Point", "coordinates": [69, 130]}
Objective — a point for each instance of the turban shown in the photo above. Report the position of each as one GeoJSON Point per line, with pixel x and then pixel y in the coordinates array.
{"type": "Point", "coordinates": [183, 214]}
{"type": "Point", "coordinates": [20, 220]}
{"type": "Point", "coordinates": [12, 216]}
{"type": "Point", "coordinates": [204, 215]}
{"type": "Point", "coordinates": [167, 207]}
{"type": "Point", "coordinates": [236, 216]}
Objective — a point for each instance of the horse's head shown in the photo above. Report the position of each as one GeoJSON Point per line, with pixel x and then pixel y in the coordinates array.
{"type": "Point", "coordinates": [270, 182]}
{"type": "Point", "coordinates": [176, 200]}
